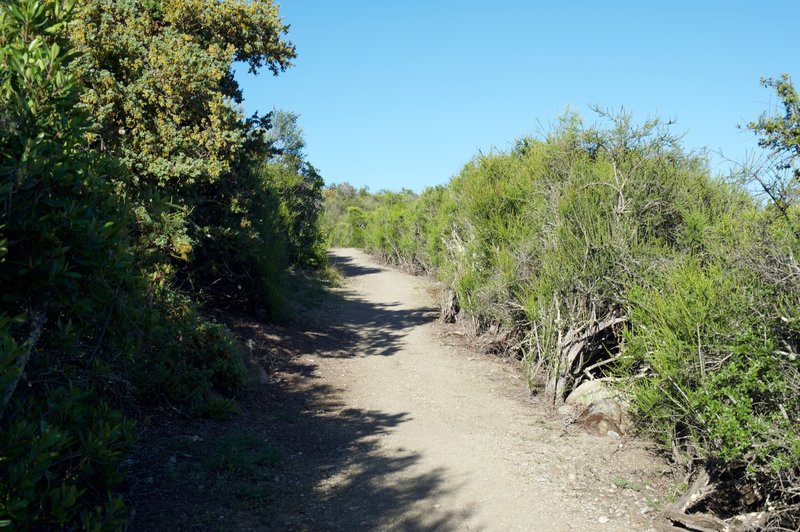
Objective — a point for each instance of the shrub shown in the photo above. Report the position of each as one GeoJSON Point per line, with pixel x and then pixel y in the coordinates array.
{"type": "Point", "coordinates": [60, 460]}
{"type": "Point", "coordinates": [610, 252]}
{"type": "Point", "coordinates": [63, 259]}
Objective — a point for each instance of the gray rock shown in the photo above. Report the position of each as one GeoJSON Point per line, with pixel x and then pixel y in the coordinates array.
{"type": "Point", "coordinates": [589, 392]}
{"type": "Point", "coordinates": [602, 409]}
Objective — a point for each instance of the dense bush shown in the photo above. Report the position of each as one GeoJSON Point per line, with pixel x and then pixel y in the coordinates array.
{"type": "Point", "coordinates": [161, 89]}
{"type": "Point", "coordinates": [610, 252]}
{"type": "Point", "coordinates": [133, 192]}
{"type": "Point", "coordinates": [298, 187]}
{"type": "Point", "coordinates": [343, 214]}
{"type": "Point", "coordinates": [63, 261]}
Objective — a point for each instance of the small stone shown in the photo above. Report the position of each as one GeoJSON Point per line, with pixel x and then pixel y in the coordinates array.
{"type": "Point", "coordinates": [603, 519]}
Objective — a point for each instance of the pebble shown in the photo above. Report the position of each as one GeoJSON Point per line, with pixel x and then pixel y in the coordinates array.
{"type": "Point", "coordinates": [603, 519]}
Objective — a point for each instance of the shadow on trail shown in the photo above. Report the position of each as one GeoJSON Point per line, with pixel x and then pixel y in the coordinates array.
{"type": "Point", "coordinates": [380, 328]}
{"type": "Point", "coordinates": [336, 475]}
{"type": "Point", "coordinates": [375, 329]}
{"type": "Point", "coordinates": [348, 267]}
{"type": "Point", "coordinates": [332, 473]}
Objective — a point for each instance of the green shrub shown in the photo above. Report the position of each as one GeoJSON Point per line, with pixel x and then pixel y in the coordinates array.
{"type": "Point", "coordinates": [618, 224]}
{"type": "Point", "coordinates": [184, 356]}
{"type": "Point", "coordinates": [59, 462]}
{"type": "Point", "coordinates": [63, 261]}
{"type": "Point", "coordinates": [217, 408]}
{"type": "Point", "coordinates": [712, 380]}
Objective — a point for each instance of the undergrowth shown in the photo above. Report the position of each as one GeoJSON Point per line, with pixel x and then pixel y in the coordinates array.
{"type": "Point", "coordinates": [134, 198]}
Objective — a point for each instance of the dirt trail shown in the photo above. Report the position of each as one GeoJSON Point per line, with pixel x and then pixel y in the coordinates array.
{"type": "Point", "coordinates": [381, 418]}
{"type": "Point", "coordinates": [466, 450]}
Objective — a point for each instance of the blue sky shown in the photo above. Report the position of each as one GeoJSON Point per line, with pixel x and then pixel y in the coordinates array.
{"type": "Point", "coordinates": [402, 94]}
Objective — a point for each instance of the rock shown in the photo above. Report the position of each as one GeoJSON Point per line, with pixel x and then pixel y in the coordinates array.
{"type": "Point", "coordinates": [591, 392]}
{"type": "Point", "coordinates": [603, 519]}
{"type": "Point", "coordinates": [602, 409]}
{"type": "Point", "coordinates": [566, 410]}
{"type": "Point", "coordinates": [602, 417]}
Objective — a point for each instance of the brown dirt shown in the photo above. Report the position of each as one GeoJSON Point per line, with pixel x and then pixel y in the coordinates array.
{"type": "Point", "coordinates": [370, 415]}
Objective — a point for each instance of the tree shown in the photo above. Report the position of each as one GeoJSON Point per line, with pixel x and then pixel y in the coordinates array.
{"type": "Point", "coordinates": [286, 137]}
{"type": "Point", "coordinates": [298, 185]}
{"type": "Point", "coordinates": [160, 85]}
{"type": "Point", "coordinates": [781, 133]}
{"type": "Point", "coordinates": [779, 177]}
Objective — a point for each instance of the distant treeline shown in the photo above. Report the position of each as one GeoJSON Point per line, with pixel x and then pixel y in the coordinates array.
{"type": "Point", "coordinates": [132, 193]}
{"type": "Point", "coordinates": [610, 252]}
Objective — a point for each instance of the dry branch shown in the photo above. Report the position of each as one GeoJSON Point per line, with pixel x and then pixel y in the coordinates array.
{"type": "Point", "coordinates": [37, 322]}
{"type": "Point", "coordinates": [571, 347]}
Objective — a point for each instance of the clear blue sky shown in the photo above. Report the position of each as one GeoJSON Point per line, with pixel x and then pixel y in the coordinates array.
{"type": "Point", "coordinates": [402, 94]}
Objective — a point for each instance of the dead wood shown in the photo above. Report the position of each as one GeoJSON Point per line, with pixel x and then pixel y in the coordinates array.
{"type": "Point", "coordinates": [37, 321]}
{"type": "Point", "coordinates": [572, 347]}
{"type": "Point", "coordinates": [450, 308]}
{"type": "Point", "coordinates": [700, 489]}
{"type": "Point", "coordinates": [700, 522]}
{"type": "Point", "coordinates": [495, 340]}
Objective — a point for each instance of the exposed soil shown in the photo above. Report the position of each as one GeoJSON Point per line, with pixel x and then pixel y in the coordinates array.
{"type": "Point", "coordinates": [370, 414]}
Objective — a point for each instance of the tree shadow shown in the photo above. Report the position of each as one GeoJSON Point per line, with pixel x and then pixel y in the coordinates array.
{"type": "Point", "coordinates": [332, 474]}
{"type": "Point", "coordinates": [375, 328]}
{"type": "Point", "coordinates": [348, 267]}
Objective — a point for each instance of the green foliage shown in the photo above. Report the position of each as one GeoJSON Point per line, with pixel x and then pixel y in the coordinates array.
{"type": "Point", "coordinates": [160, 86]}
{"type": "Point", "coordinates": [343, 218]}
{"type": "Point", "coordinates": [131, 185]}
{"type": "Point", "coordinates": [716, 385]}
{"type": "Point", "coordinates": [185, 356]}
{"type": "Point", "coordinates": [242, 454]}
{"type": "Point", "coordinates": [217, 408]}
{"type": "Point", "coordinates": [298, 187]}
{"type": "Point", "coordinates": [781, 134]}
{"type": "Point", "coordinates": [778, 176]}
{"type": "Point", "coordinates": [617, 220]}
{"type": "Point", "coordinates": [58, 223]}
{"type": "Point", "coordinates": [57, 466]}
{"type": "Point", "coordinates": [63, 258]}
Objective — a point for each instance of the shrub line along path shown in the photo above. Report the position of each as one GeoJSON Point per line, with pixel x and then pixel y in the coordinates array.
{"type": "Point", "coordinates": [387, 420]}
{"type": "Point", "coordinates": [466, 449]}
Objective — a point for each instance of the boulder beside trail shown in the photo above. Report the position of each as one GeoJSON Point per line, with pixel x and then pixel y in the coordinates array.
{"type": "Point", "coordinates": [599, 408]}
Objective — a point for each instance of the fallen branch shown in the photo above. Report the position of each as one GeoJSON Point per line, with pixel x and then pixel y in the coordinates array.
{"type": "Point", "coordinates": [699, 490]}
{"type": "Point", "coordinates": [699, 522]}
{"type": "Point", "coordinates": [37, 321]}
